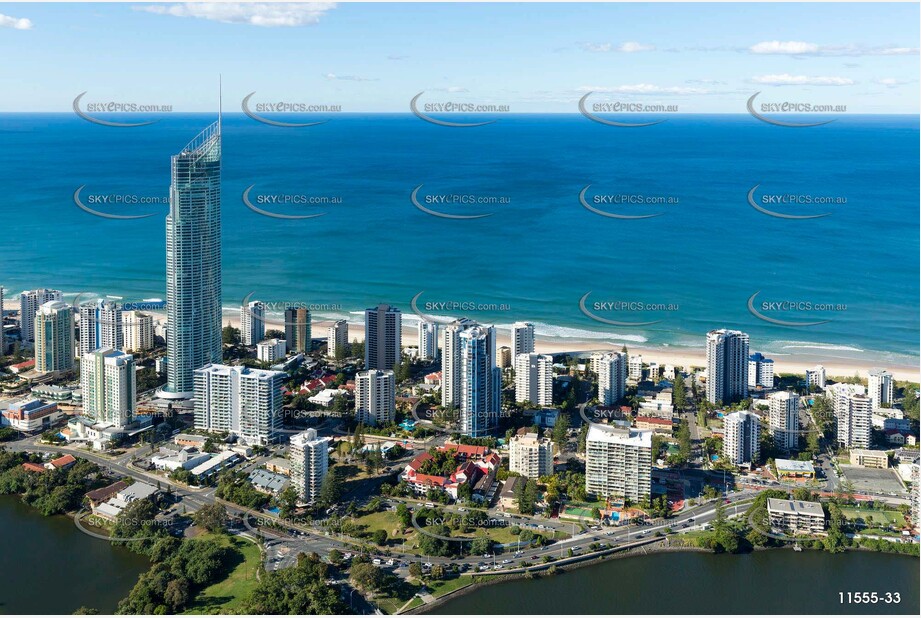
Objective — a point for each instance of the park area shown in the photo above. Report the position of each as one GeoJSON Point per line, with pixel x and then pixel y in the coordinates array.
{"type": "Point", "coordinates": [225, 596]}
{"type": "Point", "coordinates": [874, 521]}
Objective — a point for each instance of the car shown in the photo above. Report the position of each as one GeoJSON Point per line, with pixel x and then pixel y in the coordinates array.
{"type": "Point", "coordinates": [427, 565]}
{"type": "Point", "coordinates": [518, 553]}
{"type": "Point", "coordinates": [482, 567]}
{"type": "Point", "coordinates": [577, 548]}
{"type": "Point", "coordinates": [462, 510]}
{"type": "Point", "coordinates": [390, 562]}
{"type": "Point", "coordinates": [429, 505]}
{"type": "Point", "coordinates": [487, 555]}
{"type": "Point", "coordinates": [496, 567]}
{"type": "Point", "coordinates": [690, 519]}
{"type": "Point", "coordinates": [506, 561]}
{"type": "Point", "coordinates": [376, 562]}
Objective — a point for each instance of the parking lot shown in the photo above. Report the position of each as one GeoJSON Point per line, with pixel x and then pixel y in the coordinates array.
{"type": "Point", "coordinates": [869, 480]}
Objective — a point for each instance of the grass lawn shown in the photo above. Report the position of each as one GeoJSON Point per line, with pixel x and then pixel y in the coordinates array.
{"type": "Point", "coordinates": [880, 517]}
{"type": "Point", "coordinates": [226, 595]}
{"type": "Point", "coordinates": [443, 587]}
{"type": "Point", "coordinates": [383, 520]}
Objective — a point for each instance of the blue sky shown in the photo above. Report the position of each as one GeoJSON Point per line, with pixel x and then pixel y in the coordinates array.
{"type": "Point", "coordinates": [534, 58]}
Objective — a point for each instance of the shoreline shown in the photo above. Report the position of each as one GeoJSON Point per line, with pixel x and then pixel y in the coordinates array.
{"type": "Point", "coordinates": [684, 357]}
{"type": "Point", "coordinates": [644, 550]}
{"type": "Point", "coordinates": [796, 363]}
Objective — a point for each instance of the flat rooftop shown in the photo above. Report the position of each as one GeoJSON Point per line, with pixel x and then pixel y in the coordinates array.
{"type": "Point", "coordinates": [795, 507]}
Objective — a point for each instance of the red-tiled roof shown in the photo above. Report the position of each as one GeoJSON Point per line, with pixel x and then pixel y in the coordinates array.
{"type": "Point", "coordinates": [66, 460]}
{"type": "Point", "coordinates": [430, 479]}
{"type": "Point", "coordinates": [33, 467]}
{"type": "Point", "coordinates": [420, 459]}
{"type": "Point", "coordinates": [466, 450]}
{"type": "Point", "coordinates": [653, 420]}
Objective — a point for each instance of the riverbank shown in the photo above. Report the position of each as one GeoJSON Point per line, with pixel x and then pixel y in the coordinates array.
{"type": "Point", "coordinates": [698, 578]}
{"type": "Point", "coordinates": [81, 570]}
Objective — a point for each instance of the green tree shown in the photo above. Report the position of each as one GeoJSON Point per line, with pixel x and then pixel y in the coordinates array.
{"type": "Point", "coordinates": [211, 517]}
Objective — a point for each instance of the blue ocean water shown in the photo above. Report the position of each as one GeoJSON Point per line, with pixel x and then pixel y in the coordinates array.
{"type": "Point", "coordinates": [536, 255]}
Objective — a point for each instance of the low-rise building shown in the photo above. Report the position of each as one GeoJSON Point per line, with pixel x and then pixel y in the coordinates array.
{"type": "Point", "coordinates": [867, 458]}
{"type": "Point", "coordinates": [508, 497]}
{"type": "Point", "coordinates": [268, 482]}
{"type": "Point", "coordinates": [658, 425]}
{"type": "Point", "coordinates": [215, 464]}
{"type": "Point", "coordinates": [279, 465]}
{"type": "Point", "coordinates": [31, 415]}
{"type": "Point", "coordinates": [795, 516]}
{"type": "Point", "coordinates": [793, 468]}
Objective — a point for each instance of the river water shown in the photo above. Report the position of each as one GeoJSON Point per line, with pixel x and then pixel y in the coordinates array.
{"type": "Point", "coordinates": [48, 567]}
{"type": "Point", "coordinates": [766, 582]}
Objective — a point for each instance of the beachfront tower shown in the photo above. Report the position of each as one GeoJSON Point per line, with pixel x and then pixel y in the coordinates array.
{"type": "Point", "coordinates": [193, 262]}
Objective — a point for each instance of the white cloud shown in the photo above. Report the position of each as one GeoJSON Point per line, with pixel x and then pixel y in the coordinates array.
{"type": "Point", "coordinates": [20, 23]}
{"type": "Point", "coordinates": [632, 46]}
{"type": "Point", "coordinates": [802, 48]}
{"type": "Point", "coordinates": [890, 82]}
{"type": "Point", "coordinates": [349, 78]}
{"type": "Point", "coordinates": [784, 47]}
{"type": "Point", "coordinates": [785, 79]}
{"type": "Point", "coordinates": [644, 89]}
{"type": "Point", "coordinates": [628, 48]}
{"type": "Point", "coordinates": [266, 15]}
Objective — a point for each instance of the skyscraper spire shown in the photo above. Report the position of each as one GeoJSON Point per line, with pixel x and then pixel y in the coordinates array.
{"type": "Point", "coordinates": [220, 101]}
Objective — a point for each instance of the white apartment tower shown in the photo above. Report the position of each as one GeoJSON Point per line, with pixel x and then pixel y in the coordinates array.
{"type": "Point", "coordinates": [880, 387]}
{"type": "Point", "coordinates": [760, 371]}
{"type": "Point", "coordinates": [853, 413]}
{"type": "Point", "coordinates": [471, 381]}
{"type": "Point", "coordinates": [337, 339]}
{"type": "Point", "coordinates": [383, 337]}
{"type": "Point", "coordinates": [741, 433]}
{"type": "Point", "coordinates": [309, 457]}
{"type": "Point", "coordinates": [29, 302]}
{"type": "Point", "coordinates": [271, 350]}
{"type": "Point", "coordinates": [138, 331]}
{"type": "Point", "coordinates": [612, 377]}
{"type": "Point", "coordinates": [252, 322]}
{"type": "Point", "coordinates": [108, 382]}
{"type": "Point", "coordinates": [534, 379]}
{"type": "Point", "coordinates": [618, 462]}
{"type": "Point", "coordinates": [727, 366]}
{"type": "Point", "coordinates": [428, 340]}
{"type": "Point", "coordinates": [816, 377]}
{"type": "Point", "coordinates": [54, 337]}
{"type": "Point", "coordinates": [635, 368]}
{"type": "Point", "coordinates": [531, 456]}
{"type": "Point", "coordinates": [375, 392]}
{"type": "Point", "coordinates": [450, 366]}
{"type": "Point", "coordinates": [522, 338]}
{"type": "Point", "coordinates": [784, 419]}
{"type": "Point", "coordinates": [239, 400]}
{"type": "Point", "coordinates": [101, 326]}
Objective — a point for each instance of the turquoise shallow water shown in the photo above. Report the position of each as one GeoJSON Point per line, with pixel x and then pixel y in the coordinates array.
{"type": "Point", "coordinates": [537, 254]}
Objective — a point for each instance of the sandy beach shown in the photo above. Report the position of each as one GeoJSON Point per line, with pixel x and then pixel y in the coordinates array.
{"type": "Point", "coordinates": [682, 357]}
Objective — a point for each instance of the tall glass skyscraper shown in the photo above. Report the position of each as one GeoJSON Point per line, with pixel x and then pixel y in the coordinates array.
{"type": "Point", "coordinates": [193, 262]}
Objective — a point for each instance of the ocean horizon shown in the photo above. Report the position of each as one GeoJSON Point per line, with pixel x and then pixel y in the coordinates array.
{"type": "Point", "coordinates": [696, 265]}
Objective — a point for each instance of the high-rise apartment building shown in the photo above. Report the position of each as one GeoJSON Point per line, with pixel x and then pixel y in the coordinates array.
{"type": "Point", "coordinates": [375, 393]}
{"type": "Point", "coordinates": [252, 322]}
{"type": "Point", "coordinates": [534, 379]}
{"type": "Point", "coordinates": [239, 400]}
{"type": "Point", "coordinates": [108, 382]}
{"type": "Point", "coordinates": [309, 458]}
{"type": "Point", "coordinates": [727, 366]}
{"type": "Point", "coordinates": [618, 462]}
{"type": "Point", "coordinates": [54, 337]}
{"type": "Point", "coordinates": [383, 337]}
